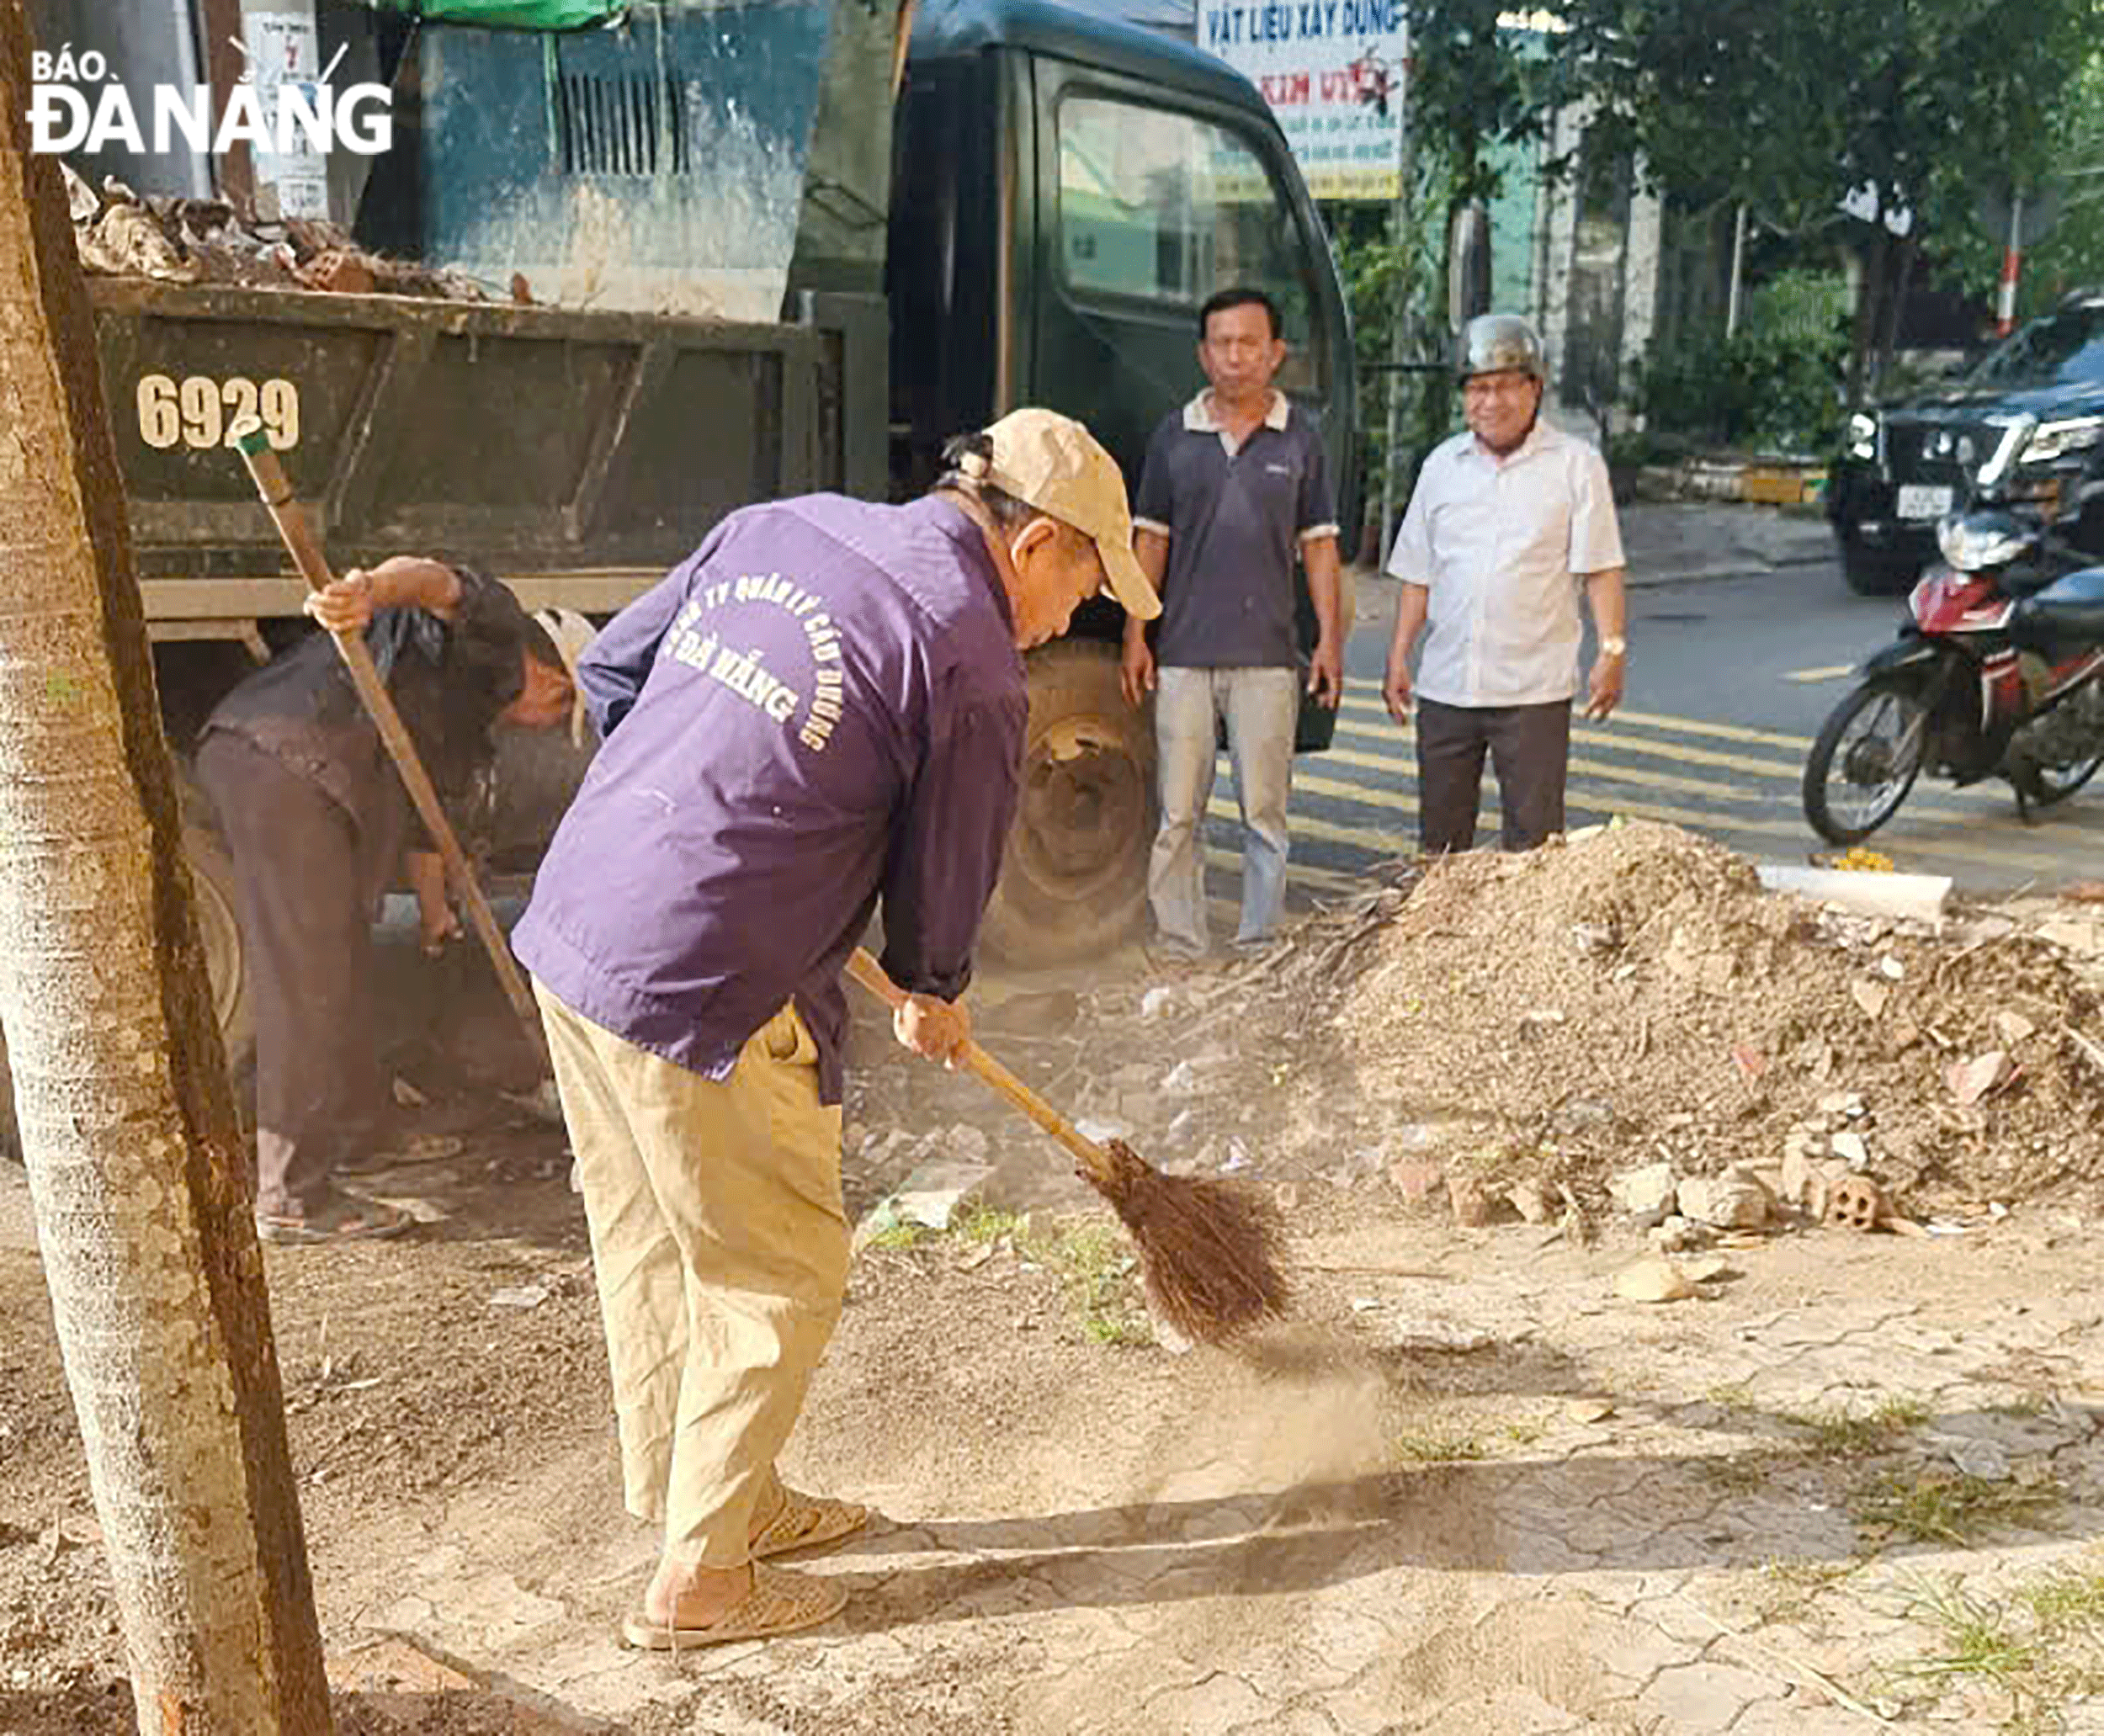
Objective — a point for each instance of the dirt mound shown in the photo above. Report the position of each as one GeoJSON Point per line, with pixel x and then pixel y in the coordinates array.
{"type": "Point", "coordinates": [1635, 996]}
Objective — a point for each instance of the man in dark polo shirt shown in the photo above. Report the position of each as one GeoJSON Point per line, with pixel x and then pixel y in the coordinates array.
{"type": "Point", "coordinates": [823, 707]}
{"type": "Point", "coordinates": [1235, 492]}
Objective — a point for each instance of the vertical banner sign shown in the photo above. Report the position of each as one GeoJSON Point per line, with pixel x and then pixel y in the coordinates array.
{"type": "Point", "coordinates": [283, 49]}
{"type": "Point", "coordinates": [1333, 72]}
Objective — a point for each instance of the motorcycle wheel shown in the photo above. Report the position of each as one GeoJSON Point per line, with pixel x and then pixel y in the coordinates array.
{"type": "Point", "coordinates": [2058, 782]}
{"type": "Point", "coordinates": [1865, 761]}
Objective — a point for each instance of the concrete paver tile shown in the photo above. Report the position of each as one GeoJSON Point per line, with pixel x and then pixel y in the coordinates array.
{"type": "Point", "coordinates": [1294, 1721]}
{"type": "Point", "coordinates": [1539, 1552]}
{"type": "Point", "coordinates": [1075, 1636]}
{"type": "Point", "coordinates": [1705, 1696]}
{"type": "Point", "coordinates": [1512, 1711]}
{"type": "Point", "coordinates": [1638, 1651]}
{"type": "Point", "coordinates": [1218, 1703]}
{"type": "Point", "coordinates": [1672, 1616]}
{"type": "Point", "coordinates": [1287, 1669]}
{"type": "Point", "coordinates": [1797, 1714]}
{"type": "Point", "coordinates": [1345, 1639]}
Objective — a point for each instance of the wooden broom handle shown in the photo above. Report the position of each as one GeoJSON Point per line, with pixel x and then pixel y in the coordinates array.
{"type": "Point", "coordinates": [271, 483]}
{"type": "Point", "coordinates": [1098, 1161]}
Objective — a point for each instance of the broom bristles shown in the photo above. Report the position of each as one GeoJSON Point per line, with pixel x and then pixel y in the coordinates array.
{"type": "Point", "coordinates": [1207, 1250]}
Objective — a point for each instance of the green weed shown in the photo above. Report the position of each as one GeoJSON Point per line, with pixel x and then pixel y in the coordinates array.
{"type": "Point", "coordinates": [983, 1223]}
{"type": "Point", "coordinates": [1741, 1473]}
{"type": "Point", "coordinates": [1437, 1449]}
{"type": "Point", "coordinates": [1933, 1507]}
{"type": "Point", "coordinates": [1099, 1268]}
{"type": "Point", "coordinates": [1836, 1433]}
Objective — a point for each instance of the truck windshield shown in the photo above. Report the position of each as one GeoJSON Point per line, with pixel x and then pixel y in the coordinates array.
{"type": "Point", "coordinates": [1167, 207]}
{"type": "Point", "coordinates": [2062, 348]}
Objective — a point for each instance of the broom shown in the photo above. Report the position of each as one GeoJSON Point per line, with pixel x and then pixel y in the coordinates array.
{"type": "Point", "coordinates": [1207, 1251]}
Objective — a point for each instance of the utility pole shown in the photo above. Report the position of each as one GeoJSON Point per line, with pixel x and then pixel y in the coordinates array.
{"type": "Point", "coordinates": [1401, 227]}
{"type": "Point", "coordinates": [1738, 275]}
{"type": "Point", "coordinates": [2011, 264]}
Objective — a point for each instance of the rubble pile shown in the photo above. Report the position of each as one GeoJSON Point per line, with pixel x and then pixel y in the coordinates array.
{"type": "Point", "coordinates": [1632, 1001]}
{"type": "Point", "coordinates": [117, 233]}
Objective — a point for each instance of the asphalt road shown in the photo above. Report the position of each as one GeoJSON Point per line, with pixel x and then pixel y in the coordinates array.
{"type": "Point", "coordinates": [1729, 679]}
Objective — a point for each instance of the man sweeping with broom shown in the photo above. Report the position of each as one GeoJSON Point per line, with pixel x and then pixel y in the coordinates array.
{"type": "Point", "coordinates": [823, 708]}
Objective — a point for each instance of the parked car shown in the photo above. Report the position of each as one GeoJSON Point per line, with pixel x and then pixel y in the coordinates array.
{"type": "Point", "coordinates": [2030, 415]}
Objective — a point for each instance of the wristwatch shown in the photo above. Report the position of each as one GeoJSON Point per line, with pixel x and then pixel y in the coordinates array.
{"type": "Point", "coordinates": [1614, 645]}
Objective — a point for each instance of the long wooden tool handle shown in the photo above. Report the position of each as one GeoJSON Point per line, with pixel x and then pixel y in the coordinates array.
{"type": "Point", "coordinates": [870, 974]}
{"type": "Point", "coordinates": [271, 483]}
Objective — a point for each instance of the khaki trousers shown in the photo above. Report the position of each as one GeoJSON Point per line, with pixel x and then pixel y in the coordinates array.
{"type": "Point", "coordinates": [720, 1243]}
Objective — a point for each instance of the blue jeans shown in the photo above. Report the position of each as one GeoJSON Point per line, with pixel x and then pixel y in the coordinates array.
{"type": "Point", "coordinates": [1261, 707]}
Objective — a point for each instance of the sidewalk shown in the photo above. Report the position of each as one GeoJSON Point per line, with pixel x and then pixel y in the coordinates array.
{"type": "Point", "coordinates": [1669, 542]}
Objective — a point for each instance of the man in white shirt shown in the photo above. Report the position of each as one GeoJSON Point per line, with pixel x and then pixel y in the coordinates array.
{"type": "Point", "coordinates": [1506, 524]}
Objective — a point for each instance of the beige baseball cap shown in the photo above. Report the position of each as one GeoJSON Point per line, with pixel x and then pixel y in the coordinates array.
{"type": "Point", "coordinates": [1051, 462]}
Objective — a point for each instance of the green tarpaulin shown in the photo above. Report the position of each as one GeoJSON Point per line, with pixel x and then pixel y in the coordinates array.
{"type": "Point", "coordinates": [512, 14]}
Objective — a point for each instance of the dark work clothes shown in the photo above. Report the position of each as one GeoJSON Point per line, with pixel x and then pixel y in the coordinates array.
{"type": "Point", "coordinates": [448, 680]}
{"type": "Point", "coordinates": [1529, 745]}
{"type": "Point", "coordinates": [304, 922]}
{"type": "Point", "coordinates": [1235, 524]}
{"type": "Point", "coordinates": [822, 704]}
{"type": "Point", "coordinates": [316, 819]}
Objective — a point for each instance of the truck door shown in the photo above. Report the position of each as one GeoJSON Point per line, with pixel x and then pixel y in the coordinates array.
{"type": "Point", "coordinates": [1147, 200]}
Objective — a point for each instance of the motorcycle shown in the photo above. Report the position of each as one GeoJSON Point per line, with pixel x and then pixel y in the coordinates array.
{"type": "Point", "coordinates": [1998, 671]}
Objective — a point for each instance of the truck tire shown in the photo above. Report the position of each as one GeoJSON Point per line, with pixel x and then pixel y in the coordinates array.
{"type": "Point", "coordinates": [212, 877]}
{"type": "Point", "coordinates": [1074, 883]}
{"type": "Point", "coordinates": [225, 956]}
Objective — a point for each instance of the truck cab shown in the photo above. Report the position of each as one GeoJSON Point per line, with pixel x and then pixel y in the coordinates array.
{"type": "Point", "coordinates": [1067, 192]}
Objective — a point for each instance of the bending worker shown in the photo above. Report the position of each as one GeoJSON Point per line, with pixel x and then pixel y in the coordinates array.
{"type": "Point", "coordinates": [316, 820]}
{"type": "Point", "coordinates": [823, 707]}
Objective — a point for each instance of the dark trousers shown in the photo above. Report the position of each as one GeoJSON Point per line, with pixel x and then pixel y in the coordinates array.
{"type": "Point", "coordinates": [307, 934]}
{"type": "Point", "coordinates": [1530, 746]}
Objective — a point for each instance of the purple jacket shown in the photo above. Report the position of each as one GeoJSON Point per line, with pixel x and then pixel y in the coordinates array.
{"type": "Point", "coordinates": [821, 705]}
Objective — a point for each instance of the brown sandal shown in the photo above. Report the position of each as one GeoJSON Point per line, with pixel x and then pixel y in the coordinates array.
{"type": "Point", "coordinates": [779, 1602]}
{"type": "Point", "coordinates": [417, 1149]}
{"type": "Point", "coordinates": [808, 1523]}
{"type": "Point", "coordinates": [344, 1217]}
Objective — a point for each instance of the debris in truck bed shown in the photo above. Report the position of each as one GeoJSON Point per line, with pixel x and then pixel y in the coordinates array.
{"type": "Point", "coordinates": [117, 233]}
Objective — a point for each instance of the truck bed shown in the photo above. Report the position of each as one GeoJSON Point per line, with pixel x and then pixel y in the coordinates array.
{"type": "Point", "coordinates": [580, 454]}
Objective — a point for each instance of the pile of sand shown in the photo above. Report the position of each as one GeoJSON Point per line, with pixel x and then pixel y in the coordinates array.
{"type": "Point", "coordinates": [1635, 996]}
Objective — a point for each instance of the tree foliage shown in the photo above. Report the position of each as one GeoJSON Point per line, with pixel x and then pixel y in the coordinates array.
{"type": "Point", "coordinates": [1792, 107]}
{"type": "Point", "coordinates": [2070, 255]}
{"type": "Point", "coordinates": [1789, 106]}
{"type": "Point", "coordinates": [1473, 84]}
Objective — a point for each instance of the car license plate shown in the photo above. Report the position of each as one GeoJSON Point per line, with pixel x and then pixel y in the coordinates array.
{"type": "Point", "coordinates": [1923, 500]}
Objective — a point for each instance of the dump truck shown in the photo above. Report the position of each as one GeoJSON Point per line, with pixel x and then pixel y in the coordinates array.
{"type": "Point", "coordinates": [736, 253]}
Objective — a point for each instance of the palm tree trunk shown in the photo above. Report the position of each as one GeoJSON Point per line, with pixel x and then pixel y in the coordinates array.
{"type": "Point", "coordinates": [135, 1159]}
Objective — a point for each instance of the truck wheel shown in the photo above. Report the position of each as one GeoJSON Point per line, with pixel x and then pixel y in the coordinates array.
{"type": "Point", "coordinates": [225, 959]}
{"type": "Point", "coordinates": [213, 877]}
{"type": "Point", "coordinates": [1075, 880]}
